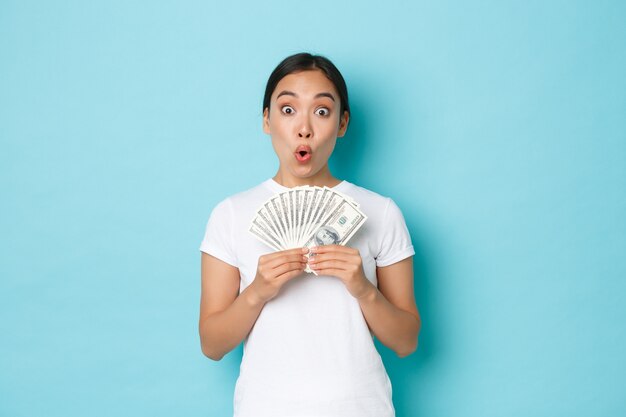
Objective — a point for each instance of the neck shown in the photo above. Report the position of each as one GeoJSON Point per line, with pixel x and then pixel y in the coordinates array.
{"type": "Point", "coordinates": [323, 178]}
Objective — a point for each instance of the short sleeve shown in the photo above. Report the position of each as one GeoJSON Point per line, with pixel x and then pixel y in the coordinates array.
{"type": "Point", "coordinates": [395, 244]}
{"type": "Point", "coordinates": [218, 236]}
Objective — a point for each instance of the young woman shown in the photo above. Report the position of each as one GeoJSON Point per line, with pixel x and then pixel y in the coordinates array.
{"type": "Point", "coordinates": [308, 339]}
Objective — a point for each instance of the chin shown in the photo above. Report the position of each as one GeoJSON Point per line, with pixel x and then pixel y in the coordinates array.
{"type": "Point", "coordinates": [304, 172]}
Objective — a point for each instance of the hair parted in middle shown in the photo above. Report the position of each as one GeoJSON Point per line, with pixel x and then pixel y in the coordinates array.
{"type": "Point", "coordinates": [304, 61]}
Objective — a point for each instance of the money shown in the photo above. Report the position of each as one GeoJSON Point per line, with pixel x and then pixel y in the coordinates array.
{"type": "Point", "coordinates": [306, 217]}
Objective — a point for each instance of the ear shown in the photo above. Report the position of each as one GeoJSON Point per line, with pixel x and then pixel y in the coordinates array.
{"type": "Point", "coordinates": [266, 120]}
{"type": "Point", "coordinates": [343, 124]}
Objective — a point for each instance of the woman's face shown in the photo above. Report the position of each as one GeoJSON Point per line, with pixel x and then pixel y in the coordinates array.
{"type": "Point", "coordinates": [304, 122]}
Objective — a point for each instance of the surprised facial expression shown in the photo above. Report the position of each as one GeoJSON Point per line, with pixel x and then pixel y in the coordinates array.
{"type": "Point", "coordinates": [304, 122]}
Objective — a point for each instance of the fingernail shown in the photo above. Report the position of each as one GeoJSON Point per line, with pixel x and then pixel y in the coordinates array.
{"type": "Point", "coordinates": [305, 250]}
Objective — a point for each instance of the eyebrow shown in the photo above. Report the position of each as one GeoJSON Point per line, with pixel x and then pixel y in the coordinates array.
{"type": "Point", "coordinates": [291, 93]}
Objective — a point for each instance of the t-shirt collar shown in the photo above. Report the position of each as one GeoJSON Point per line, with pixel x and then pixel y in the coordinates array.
{"type": "Point", "coordinates": [279, 188]}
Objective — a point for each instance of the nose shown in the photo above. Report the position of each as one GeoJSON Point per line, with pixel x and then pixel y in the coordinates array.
{"type": "Point", "coordinates": [305, 131]}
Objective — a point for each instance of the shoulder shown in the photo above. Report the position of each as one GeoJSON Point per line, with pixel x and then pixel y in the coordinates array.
{"type": "Point", "coordinates": [242, 202]}
{"type": "Point", "coordinates": [382, 212]}
{"type": "Point", "coordinates": [371, 202]}
{"type": "Point", "coordinates": [388, 238]}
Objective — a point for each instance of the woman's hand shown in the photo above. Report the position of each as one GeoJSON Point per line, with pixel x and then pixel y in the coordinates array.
{"type": "Point", "coordinates": [275, 269]}
{"type": "Point", "coordinates": [344, 263]}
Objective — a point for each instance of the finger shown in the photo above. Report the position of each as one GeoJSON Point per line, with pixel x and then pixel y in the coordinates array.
{"type": "Point", "coordinates": [333, 263]}
{"type": "Point", "coordinates": [281, 279]}
{"type": "Point", "coordinates": [333, 272]}
{"type": "Point", "coordinates": [294, 250]}
{"type": "Point", "coordinates": [287, 267]}
{"type": "Point", "coordinates": [276, 262]}
{"type": "Point", "coordinates": [332, 248]}
{"type": "Point", "coordinates": [320, 257]}
{"type": "Point", "coordinates": [288, 252]}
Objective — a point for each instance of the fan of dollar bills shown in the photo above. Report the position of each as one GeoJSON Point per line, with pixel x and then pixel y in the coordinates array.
{"type": "Point", "coordinates": [306, 217]}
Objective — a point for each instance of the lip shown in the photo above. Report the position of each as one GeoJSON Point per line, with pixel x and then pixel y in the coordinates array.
{"type": "Point", "coordinates": [303, 158]}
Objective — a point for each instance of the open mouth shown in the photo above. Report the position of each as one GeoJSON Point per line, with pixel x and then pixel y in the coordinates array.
{"type": "Point", "coordinates": [303, 153]}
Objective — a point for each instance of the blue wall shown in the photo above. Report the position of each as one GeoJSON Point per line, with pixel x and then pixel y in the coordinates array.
{"type": "Point", "coordinates": [498, 127]}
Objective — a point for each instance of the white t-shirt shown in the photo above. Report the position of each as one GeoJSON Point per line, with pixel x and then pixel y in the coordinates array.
{"type": "Point", "coordinates": [310, 352]}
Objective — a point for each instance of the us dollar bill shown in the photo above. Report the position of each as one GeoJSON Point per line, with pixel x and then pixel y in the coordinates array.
{"type": "Point", "coordinates": [337, 227]}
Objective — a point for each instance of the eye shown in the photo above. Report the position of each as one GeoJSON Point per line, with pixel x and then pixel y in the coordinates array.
{"type": "Point", "coordinates": [322, 111]}
{"type": "Point", "coordinates": [287, 109]}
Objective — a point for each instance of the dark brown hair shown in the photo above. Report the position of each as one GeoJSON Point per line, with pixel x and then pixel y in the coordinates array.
{"type": "Point", "coordinates": [302, 62]}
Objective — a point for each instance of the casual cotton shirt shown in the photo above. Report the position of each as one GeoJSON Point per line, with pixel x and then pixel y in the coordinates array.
{"type": "Point", "coordinates": [310, 352]}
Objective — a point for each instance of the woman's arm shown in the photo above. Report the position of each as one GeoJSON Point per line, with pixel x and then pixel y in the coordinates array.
{"type": "Point", "coordinates": [226, 317]}
{"type": "Point", "coordinates": [390, 309]}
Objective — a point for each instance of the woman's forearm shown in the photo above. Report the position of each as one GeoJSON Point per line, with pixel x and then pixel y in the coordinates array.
{"type": "Point", "coordinates": [221, 332]}
{"type": "Point", "coordinates": [395, 328]}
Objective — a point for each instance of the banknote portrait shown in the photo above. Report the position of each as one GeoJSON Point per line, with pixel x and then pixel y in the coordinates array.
{"type": "Point", "coordinates": [326, 235]}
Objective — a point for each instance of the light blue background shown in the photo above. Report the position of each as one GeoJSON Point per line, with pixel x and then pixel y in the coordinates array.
{"type": "Point", "coordinates": [498, 128]}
